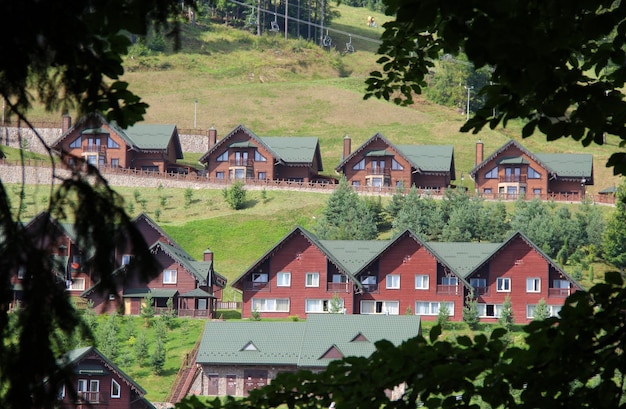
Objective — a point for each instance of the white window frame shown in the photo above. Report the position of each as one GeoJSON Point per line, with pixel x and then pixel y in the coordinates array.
{"type": "Point", "coordinates": [392, 281]}
{"type": "Point", "coordinates": [503, 285]}
{"type": "Point", "coordinates": [312, 279]}
{"type": "Point", "coordinates": [553, 309]}
{"type": "Point", "coordinates": [283, 279]}
{"type": "Point", "coordinates": [270, 304]}
{"type": "Point", "coordinates": [450, 280]}
{"type": "Point", "coordinates": [432, 307]}
{"type": "Point", "coordinates": [317, 306]}
{"type": "Point", "coordinates": [259, 277]}
{"type": "Point", "coordinates": [482, 310]}
{"type": "Point", "coordinates": [77, 284]}
{"type": "Point", "coordinates": [386, 307]}
{"type": "Point", "coordinates": [533, 285]}
{"type": "Point", "coordinates": [170, 276]}
{"type": "Point", "coordinates": [422, 281]}
{"type": "Point", "coordinates": [114, 385]}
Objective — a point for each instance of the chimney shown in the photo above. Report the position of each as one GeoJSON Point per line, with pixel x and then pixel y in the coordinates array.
{"type": "Point", "coordinates": [212, 136]}
{"type": "Point", "coordinates": [347, 142]}
{"type": "Point", "coordinates": [208, 255]}
{"type": "Point", "coordinates": [66, 124]}
{"type": "Point", "coordinates": [480, 150]}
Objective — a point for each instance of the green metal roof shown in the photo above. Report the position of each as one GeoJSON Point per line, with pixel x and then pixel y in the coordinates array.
{"type": "Point", "coordinates": [464, 258]}
{"type": "Point", "coordinates": [513, 160]}
{"type": "Point", "coordinates": [199, 269]}
{"type": "Point", "coordinates": [354, 255]}
{"type": "Point", "coordinates": [244, 144]}
{"type": "Point", "coordinates": [150, 136]}
{"type": "Point", "coordinates": [155, 292]}
{"type": "Point", "coordinates": [301, 343]}
{"type": "Point", "coordinates": [429, 158]}
{"type": "Point", "coordinates": [381, 152]}
{"type": "Point", "coordinates": [568, 164]}
{"type": "Point", "coordinates": [197, 293]}
{"type": "Point", "coordinates": [293, 149]}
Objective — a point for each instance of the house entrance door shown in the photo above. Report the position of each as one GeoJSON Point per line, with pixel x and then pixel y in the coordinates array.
{"type": "Point", "coordinates": [253, 379]}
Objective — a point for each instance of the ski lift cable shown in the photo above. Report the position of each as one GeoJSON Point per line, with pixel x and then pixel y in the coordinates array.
{"type": "Point", "coordinates": [282, 16]}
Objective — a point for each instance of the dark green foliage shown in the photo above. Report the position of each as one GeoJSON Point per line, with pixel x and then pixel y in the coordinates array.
{"type": "Point", "coordinates": [106, 337]}
{"type": "Point", "coordinates": [420, 214]}
{"type": "Point", "coordinates": [147, 307]}
{"type": "Point", "coordinates": [141, 347]}
{"type": "Point", "coordinates": [188, 197]}
{"type": "Point", "coordinates": [443, 317]}
{"type": "Point", "coordinates": [614, 243]}
{"type": "Point", "coordinates": [470, 312]}
{"type": "Point", "coordinates": [235, 196]}
{"type": "Point", "coordinates": [346, 216]}
{"type": "Point", "coordinates": [157, 360]}
{"type": "Point", "coordinates": [541, 311]}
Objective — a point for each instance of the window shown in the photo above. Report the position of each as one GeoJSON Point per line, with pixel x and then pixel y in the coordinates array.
{"type": "Point", "coordinates": [116, 390]}
{"type": "Point", "coordinates": [368, 280]}
{"type": "Point", "coordinates": [356, 183]}
{"type": "Point", "coordinates": [88, 390]}
{"type": "Point", "coordinates": [537, 191]}
{"type": "Point", "coordinates": [259, 277]}
{"type": "Point", "coordinates": [478, 282]}
{"type": "Point", "coordinates": [61, 394]}
{"type": "Point", "coordinates": [270, 304]}
{"type": "Point", "coordinates": [320, 306]}
{"type": "Point", "coordinates": [432, 307]}
{"type": "Point", "coordinates": [380, 307]}
{"type": "Point", "coordinates": [489, 310]}
{"type": "Point", "coordinates": [511, 190]}
{"type": "Point", "coordinates": [169, 276]}
{"type": "Point", "coordinates": [76, 143]}
{"type": "Point", "coordinates": [533, 285]}
{"type": "Point", "coordinates": [393, 281]}
{"type": "Point", "coordinates": [262, 175]}
{"type": "Point", "coordinates": [223, 157]}
{"type": "Point", "coordinates": [126, 258]}
{"type": "Point", "coordinates": [77, 284]}
{"type": "Point", "coordinates": [487, 190]}
{"type": "Point", "coordinates": [111, 143]}
{"type": "Point", "coordinates": [312, 280]}
{"type": "Point", "coordinates": [533, 174]}
{"type": "Point", "coordinates": [553, 310]}
{"type": "Point", "coordinates": [560, 284]}
{"type": "Point", "coordinates": [395, 165]}
{"type": "Point", "coordinates": [20, 272]}
{"type": "Point", "coordinates": [240, 174]}
{"type": "Point", "coordinates": [421, 282]}
{"type": "Point", "coordinates": [115, 163]}
{"type": "Point", "coordinates": [503, 285]}
{"type": "Point", "coordinates": [283, 279]}
{"type": "Point", "coordinates": [219, 175]}
{"type": "Point", "coordinates": [339, 278]}
{"type": "Point", "coordinates": [360, 165]}
{"type": "Point", "coordinates": [492, 174]}
{"type": "Point", "coordinates": [258, 157]}
{"type": "Point", "coordinates": [449, 280]}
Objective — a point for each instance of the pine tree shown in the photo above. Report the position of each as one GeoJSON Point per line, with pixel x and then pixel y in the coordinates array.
{"type": "Point", "coordinates": [141, 347]}
{"type": "Point", "coordinates": [336, 304]}
{"type": "Point", "coordinates": [443, 317]}
{"type": "Point", "coordinates": [147, 308]}
{"type": "Point", "coordinates": [470, 312]}
{"type": "Point", "coordinates": [506, 316]}
{"type": "Point", "coordinates": [541, 311]}
{"type": "Point", "coordinates": [158, 357]}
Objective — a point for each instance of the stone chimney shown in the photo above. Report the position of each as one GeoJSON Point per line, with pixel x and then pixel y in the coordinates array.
{"type": "Point", "coordinates": [208, 255]}
{"type": "Point", "coordinates": [66, 123]}
{"type": "Point", "coordinates": [212, 133]}
{"type": "Point", "coordinates": [480, 152]}
{"type": "Point", "coordinates": [347, 146]}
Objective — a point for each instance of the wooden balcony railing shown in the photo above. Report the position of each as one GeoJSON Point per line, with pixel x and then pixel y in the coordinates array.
{"type": "Point", "coordinates": [448, 289]}
{"type": "Point", "coordinates": [256, 286]}
{"type": "Point", "coordinates": [513, 178]}
{"type": "Point", "coordinates": [241, 162]}
{"type": "Point", "coordinates": [87, 396]}
{"type": "Point", "coordinates": [370, 171]}
{"type": "Point", "coordinates": [193, 313]}
{"type": "Point", "coordinates": [478, 291]}
{"type": "Point", "coordinates": [559, 292]}
{"type": "Point", "coordinates": [337, 287]}
{"type": "Point", "coordinates": [95, 148]}
{"type": "Point", "coordinates": [370, 288]}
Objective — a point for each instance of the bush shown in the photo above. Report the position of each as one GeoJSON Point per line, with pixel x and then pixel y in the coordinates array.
{"type": "Point", "coordinates": [235, 196]}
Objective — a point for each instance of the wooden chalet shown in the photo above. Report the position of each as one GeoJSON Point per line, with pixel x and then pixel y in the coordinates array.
{"type": "Point", "coordinates": [302, 275]}
{"type": "Point", "coordinates": [236, 357]}
{"type": "Point", "coordinates": [99, 383]}
{"type": "Point", "coordinates": [243, 155]}
{"type": "Point", "coordinates": [147, 147]}
{"type": "Point", "coordinates": [379, 163]}
{"type": "Point", "coordinates": [513, 171]}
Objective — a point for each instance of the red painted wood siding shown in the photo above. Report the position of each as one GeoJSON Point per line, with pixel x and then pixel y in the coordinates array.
{"type": "Point", "coordinates": [353, 175]}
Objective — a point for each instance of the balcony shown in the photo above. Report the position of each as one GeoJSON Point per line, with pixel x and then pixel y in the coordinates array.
{"type": "Point", "coordinates": [559, 292]}
{"type": "Point", "coordinates": [257, 286]}
{"type": "Point", "coordinates": [513, 179]}
{"type": "Point", "coordinates": [448, 289]}
{"type": "Point", "coordinates": [241, 162]}
{"type": "Point", "coordinates": [95, 149]}
{"type": "Point", "coordinates": [87, 396]}
{"type": "Point", "coordinates": [370, 288]}
{"type": "Point", "coordinates": [377, 171]}
{"type": "Point", "coordinates": [337, 287]}
{"type": "Point", "coordinates": [478, 291]}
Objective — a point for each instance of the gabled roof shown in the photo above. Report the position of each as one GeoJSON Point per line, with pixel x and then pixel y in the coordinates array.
{"type": "Point", "coordinates": [301, 343]}
{"type": "Point", "coordinates": [199, 270]}
{"type": "Point", "coordinates": [564, 165]}
{"type": "Point", "coordinates": [141, 137]}
{"type": "Point", "coordinates": [287, 150]}
{"type": "Point", "coordinates": [423, 158]}
{"type": "Point", "coordinates": [74, 358]}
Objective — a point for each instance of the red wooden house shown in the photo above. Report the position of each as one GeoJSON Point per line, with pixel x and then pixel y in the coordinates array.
{"type": "Point", "coordinates": [104, 144]}
{"type": "Point", "coordinates": [99, 383]}
{"type": "Point", "coordinates": [243, 155]}
{"type": "Point", "coordinates": [512, 171]}
{"type": "Point", "coordinates": [379, 163]}
{"type": "Point", "coordinates": [303, 275]}
{"type": "Point", "coordinates": [194, 286]}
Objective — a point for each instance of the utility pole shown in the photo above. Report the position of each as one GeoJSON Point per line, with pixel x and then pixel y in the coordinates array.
{"type": "Point", "coordinates": [468, 100]}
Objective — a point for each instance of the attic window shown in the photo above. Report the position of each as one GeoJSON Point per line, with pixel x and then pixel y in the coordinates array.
{"type": "Point", "coordinates": [519, 262]}
{"type": "Point", "coordinates": [332, 353]}
{"type": "Point", "coordinates": [250, 347]}
{"type": "Point", "coordinates": [360, 338]}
